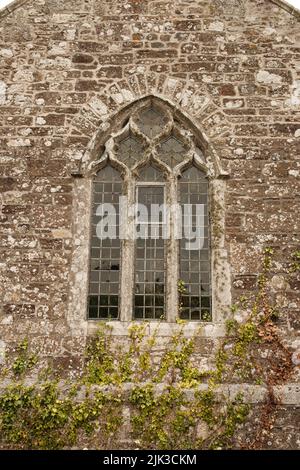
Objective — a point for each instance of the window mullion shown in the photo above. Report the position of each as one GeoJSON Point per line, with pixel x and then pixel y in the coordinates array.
{"type": "Point", "coordinates": [128, 255]}
{"type": "Point", "coordinates": [172, 253]}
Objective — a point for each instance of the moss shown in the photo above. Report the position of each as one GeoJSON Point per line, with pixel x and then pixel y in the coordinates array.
{"type": "Point", "coordinates": [295, 264]}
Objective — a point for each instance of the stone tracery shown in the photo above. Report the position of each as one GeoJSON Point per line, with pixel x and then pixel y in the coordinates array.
{"type": "Point", "coordinates": [154, 150]}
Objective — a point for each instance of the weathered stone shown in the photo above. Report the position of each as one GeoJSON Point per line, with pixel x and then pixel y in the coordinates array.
{"type": "Point", "coordinates": [82, 58]}
{"type": "Point", "coordinates": [72, 75]}
{"type": "Point", "coordinates": [88, 85]}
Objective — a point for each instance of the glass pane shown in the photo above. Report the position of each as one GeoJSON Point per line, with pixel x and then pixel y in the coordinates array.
{"type": "Point", "coordinates": [172, 151]}
{"type": "Point", "coordinates": [105, 252]}
{"type": "Point", "coordinates": [193, 175]}
{"type": "Point", "coordinates": [150, 253]}
{"type": "Point", "coordinates": [151, 194]}
{"type": "Point", "coordinates": [107, 175]}
{"type": "Point", "coordinates": [195, 302]}
{"type": "Point", "coordinates": [129, 150]}
{"type": "Point", "coordinates": [151, 122]}
{"type": "Point", "coordinates": [150, 174]}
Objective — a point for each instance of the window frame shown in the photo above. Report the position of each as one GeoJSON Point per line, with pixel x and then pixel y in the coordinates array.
{"type": "Point", "coordinates": [82, 194]}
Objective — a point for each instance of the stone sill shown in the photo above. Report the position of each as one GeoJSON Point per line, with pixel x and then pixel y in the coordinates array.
{"type": "Point", "coordinates": [189, 329]}
{"type": "Point", "coordinates": [284, 395]}
{"type": "Point", "coordinates": [288, 394]}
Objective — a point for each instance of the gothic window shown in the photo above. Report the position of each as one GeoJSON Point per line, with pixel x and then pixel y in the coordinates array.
{"type": "Point", "coordinates": [150, 223]}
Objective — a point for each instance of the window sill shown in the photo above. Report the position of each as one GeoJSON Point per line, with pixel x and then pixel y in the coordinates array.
{"type": "Point", "coordinates": [189, 328]}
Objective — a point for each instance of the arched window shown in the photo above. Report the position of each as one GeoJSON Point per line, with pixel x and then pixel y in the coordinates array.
{"type": "Point", "coordinates": [150, 223]}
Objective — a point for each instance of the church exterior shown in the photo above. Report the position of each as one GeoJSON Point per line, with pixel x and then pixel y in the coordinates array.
{"type": "Point", "coordinates": [180, 102]}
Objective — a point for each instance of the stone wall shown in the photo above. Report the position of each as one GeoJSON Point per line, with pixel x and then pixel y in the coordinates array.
{"type": "Point", "coordinates": [67, 70]}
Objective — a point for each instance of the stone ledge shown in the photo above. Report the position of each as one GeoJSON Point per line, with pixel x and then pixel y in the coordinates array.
{"type": "Point", "coordinates": [189, 329]}
{"type": "Point", "coordinates": [288, 394]}
{"type": "Point", "coordinates": [285, 395]}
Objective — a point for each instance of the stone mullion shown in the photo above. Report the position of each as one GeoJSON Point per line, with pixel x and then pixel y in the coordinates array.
{"type": "Point", "coordinates": [128, 255]}
{"type": "Point", "coordinates": [172, 258]}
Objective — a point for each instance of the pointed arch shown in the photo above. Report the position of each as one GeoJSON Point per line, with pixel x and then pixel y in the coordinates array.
{"type": "Point", "coordinates": [191, 110]}
{"type": "Point", "coordinates": [181, 124]}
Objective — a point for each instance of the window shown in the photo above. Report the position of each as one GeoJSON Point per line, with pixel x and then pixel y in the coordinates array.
{"type": "Point", "coordinates": [104, 283]}
{"type": "Point", "coordinates": [149, 300]}
{"type": "Point", "coordinates": [194, 263]}
{"type": "Point", "coordinates": [150, 223]}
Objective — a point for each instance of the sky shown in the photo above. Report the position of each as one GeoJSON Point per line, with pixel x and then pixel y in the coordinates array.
{"type": "Point", "coordinates": [295, 3]}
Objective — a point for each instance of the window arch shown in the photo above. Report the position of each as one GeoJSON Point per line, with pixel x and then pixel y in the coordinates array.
{"type": "Point", "coordinates": [150, 191]}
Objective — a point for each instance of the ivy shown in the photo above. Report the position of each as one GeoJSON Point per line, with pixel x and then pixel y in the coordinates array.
{"type": "Point", "coordinates": [295, 265]}
{"type": "Point", "coordinates": [173, 403]}
{"type": "Point", "coordinates": [24, 362]}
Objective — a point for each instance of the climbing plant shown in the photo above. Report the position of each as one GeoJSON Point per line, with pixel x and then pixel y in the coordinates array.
{"type": "Point", "coordinates": [165, 402]}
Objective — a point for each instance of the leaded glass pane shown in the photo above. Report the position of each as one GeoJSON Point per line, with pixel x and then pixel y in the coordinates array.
{"type": "Point", "coordinates": [107, 175]}
{"type": "Point", "coordinates": [151, 122]}
{"type": "Point", "coordinates": [149, 300]}
{"type": "Point", "coordinates": [195, 303]}
{"type": "Point", "coordinates": [105, 252]}
{"type": "Point", "coordinates": [129, 150]}
{"type": "Point", "coordinates": [151, 197]}
{"type": "Point", "coordinates": [150, 174]}
{"type": "Point", "coordinates": [172, 151]}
